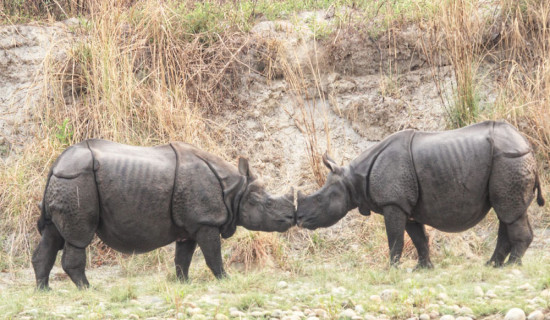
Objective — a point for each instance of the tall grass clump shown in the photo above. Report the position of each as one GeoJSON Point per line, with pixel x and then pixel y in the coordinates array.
{"type": "Point", "coordinates": [524, 56]}
{"type": "Point", "coordinates": [456, 36]}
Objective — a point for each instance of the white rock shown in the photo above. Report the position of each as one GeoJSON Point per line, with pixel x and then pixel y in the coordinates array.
{"type": "Point", "coordinates": [463, 318]}
{"type": "Point", "coordinates": [526, 287]}
{"type": "Point", "coordinates": [375, 298]}
{"type": "Point", "coordinates": [515, 314]}
{"type": "Point", "coordinates": [536, 315]}
{"type": "Point", "coordinates": [339, 290]}
{"type": "Point", "coordinates": [236, 313]}
{"type": "Point", "coordinates": [413, 318]}
{"type": "Point", "coordinates": [277, 313]}
{"type": "Point", "coordinates": [359, 309]}
{"type": "Point", "coordinates": [478, 291]}
{"type": "Point", "coordinates": [193, 311]}
{"type": "Point", "coordinates": [424, 316]}
{"type": "Point", "coordinates": [320, 313]}
{"type": "Point", "coordinates": [369, 317]}
{"type": "Point", "coordinates": [347, 314]}
{"type": "Point", "coordinates": [312, 318]}
{"type": "Point", "coordinates": [389, 294]}
{"type": "Point", "coordinates": [220, 316]}
{"type": "Point", "coordinates": [282, 284]}
{"type": "Point", "coordinates": [490, 294]}
{"type": "Point", "coordinates": [447, 317]}
{"type": "Point", "coordinates": [443, 296]}
{"type": "Point", "coordinates": [465, 311]}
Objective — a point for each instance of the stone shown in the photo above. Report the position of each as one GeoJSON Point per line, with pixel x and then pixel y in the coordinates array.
{"type": "Point", "coordinates": [424, 316]}
{"type": "Point", "coordinates": [536, 315]}
{"type": "Point", "coordinates": [490, 294]}
{"type": "Point", "coordinates": [236, 313]}
{"type": "Point", "coordinates": [359, 309]}
{"type": "Point", "coordinates": [447, 317]}
{"type": "Point", "coordinates": [389, 294]}
{"type": "Point", "coordinates": [347, 314]}
{"type": "Point", "coordinates": [515, 314]}
{"type": "Point", "coordinates": [220, 316]}
{"type": "Point", "coordinates": [465, 311]}
{"type": "Point", "coordinates": [282, 284]}
{"type": "Point", "coordinates": [478, 291]}
{"type": "Point", "coordinates": [375, 298]}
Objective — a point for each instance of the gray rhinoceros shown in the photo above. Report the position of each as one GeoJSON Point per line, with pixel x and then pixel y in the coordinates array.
{"type": "Point", "coordinates": [448, 180]}
{"type": "Point", "coordinates": [141, 198]}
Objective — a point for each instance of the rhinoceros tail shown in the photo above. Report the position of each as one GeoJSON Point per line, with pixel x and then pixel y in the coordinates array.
{"type": "Point", "coordinates": [540, 199]}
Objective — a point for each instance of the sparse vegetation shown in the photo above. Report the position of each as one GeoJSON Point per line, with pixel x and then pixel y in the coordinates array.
{"type": "Point", "coordinates": [148, 72]}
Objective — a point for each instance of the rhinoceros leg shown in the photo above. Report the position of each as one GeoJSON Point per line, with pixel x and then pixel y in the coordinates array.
{"type": "Point", "coordinates": [503, 247]}
{"type": "Point", "coordinates": [209, 241]}
{"type": "Point", "coordinates": [520, 235]}
{"type": "Point", "coordinates": [417, 232]}
{"type": "Point", "coordinates": [184, 254]}
{"type": "Point", "coordinates": [395, 220]}
{"type": "Point", "coordinates": [43, 257]}
{"type": "Point", "coordinates": [511, 190]}
{"type": "Point", "coordinates": [73, 262]}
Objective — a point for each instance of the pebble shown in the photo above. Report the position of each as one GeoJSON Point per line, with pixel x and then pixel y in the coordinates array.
{"type": "Point", "coordinates": [339, 290]}
{"type": "Point", "coordinates": [515, 314]}
{"type": "Point", "coordinates": [413, 318]}
{"type": "Point", "coordinates": [375, 298]}
{"type": "Point", "coordinates": [198, 316]}
{"type": "Point", "coordinates": [388, 294]}
{"type": "Point", "coordinates": [282, 284]}
{"type": "Point", "coordinates": [321, 313]}
{"type": "Point", "coordinates": [347, 314]}
{"type": "Point", "coordinates": [490, 294]}
{"type": "Point", "coordinates": [277, 313]}
{"type": "Point", "coordinates": [424, 316]}
{"type": "Point", "coordinates": [526, 287]}
{"type": "Point", "coordinates": [463, 318]}
{"type": "Point", "coordinates": [359, 309]}
{"type": "Point", "coordinates": [434, 314]}
{"type": "Point", "coordinates": [536, 315]}
{"type": "Point", "coordinates": [292, 317]}
{"type": "Point", "coordinates": [443, 296]}
{"type": "Point", "coordinates": [465, 311]}
{"type": "Point", "coordinates": [447, 317]}
{"type": "Point", "coordinates": [369, 317]}
{"type": "Point", "coordinates": [193, 311]}
{"type": "Point", "coordinates": [312, 318]}
{"type": "Point", "coordinates": [220, 316]}
{"type": "Point", "coordinates": [236, 313]}
{"type": "Point", "coordinates": [478, 291]}
{"type": "Point", "coordinates": [257, 314]}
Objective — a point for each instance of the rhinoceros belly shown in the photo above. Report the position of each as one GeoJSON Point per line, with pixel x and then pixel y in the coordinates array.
{"type": "Point", "coordinates": [135, 186]}
{"type": "Point", "coordinates": [453, 170]}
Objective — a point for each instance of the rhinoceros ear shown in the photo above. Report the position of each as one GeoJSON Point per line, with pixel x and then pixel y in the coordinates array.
{"type": "Point", "coordinates": [331, 164]}
{"type": "Point", "coordinates": [244, 169]}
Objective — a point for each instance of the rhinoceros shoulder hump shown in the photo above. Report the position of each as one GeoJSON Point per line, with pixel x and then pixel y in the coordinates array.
{"type": "Point", "coordinates": [74, 161]}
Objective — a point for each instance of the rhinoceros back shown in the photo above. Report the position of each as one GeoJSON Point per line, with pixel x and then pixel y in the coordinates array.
{"type": "Point", "coordinates": [135, 186]}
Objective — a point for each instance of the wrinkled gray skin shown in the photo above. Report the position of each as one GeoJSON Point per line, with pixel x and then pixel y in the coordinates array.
{"type": "Point", "coordinates": [448, 180]}
{"type": "Point", "coordinates": [141, 198]}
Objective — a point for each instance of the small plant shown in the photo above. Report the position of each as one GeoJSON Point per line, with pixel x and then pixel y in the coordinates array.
{"type": "Point", "coordinates": [123, 293]}
{"type": "Point", "coordinates": [64, 133]}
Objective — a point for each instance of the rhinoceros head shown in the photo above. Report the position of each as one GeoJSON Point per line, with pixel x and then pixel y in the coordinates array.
{"type": "Point", "coordinates": [260, 211]}
{"type": "Point", "coordinates": [327, 205]}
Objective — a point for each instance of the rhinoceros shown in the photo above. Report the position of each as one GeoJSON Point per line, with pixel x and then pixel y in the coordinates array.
{"type": "Point", "coordinates": [448, 180]}
{"type": "Point", "coordinates": [137, 199]}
